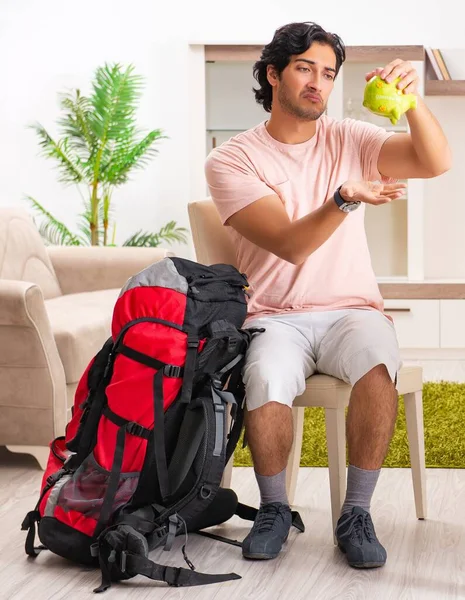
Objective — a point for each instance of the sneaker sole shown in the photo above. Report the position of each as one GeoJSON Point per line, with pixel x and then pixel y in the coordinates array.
{"type": "Point", "coordinates": [366, 565]}
{"type": "Point", "coordinates": [262, 555]}
{"type": "Point", "coordinates": [251, 556]}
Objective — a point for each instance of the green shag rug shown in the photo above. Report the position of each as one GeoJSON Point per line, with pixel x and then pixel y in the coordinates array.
{"type": "Point", "coordinates": [444, 422]}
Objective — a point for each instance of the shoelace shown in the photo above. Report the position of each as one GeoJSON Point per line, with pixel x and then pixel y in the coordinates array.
{"type": "Point", "coordinates": [266, 517]}
{"type": "Point", "coordinates": [361, 526]}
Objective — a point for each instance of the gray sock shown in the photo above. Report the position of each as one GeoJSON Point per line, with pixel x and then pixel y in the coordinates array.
{"type": "Point", "coordinates": [360, 487]}
{"type": "Point", "coordinates": [272, 488]}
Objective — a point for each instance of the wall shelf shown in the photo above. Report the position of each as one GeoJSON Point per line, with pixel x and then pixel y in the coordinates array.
{"type": "Point", "coordinates": [442, 87]}
{"type": "Point", "coordinates": [383, 54]}
{"type": "Point", "coordinates": [360, 54]}
{"type": "Point", "coordinates": [422, 291]}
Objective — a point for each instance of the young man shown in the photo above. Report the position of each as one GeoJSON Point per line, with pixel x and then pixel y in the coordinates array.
{"type": "Point", "coordinates": [292, 192]}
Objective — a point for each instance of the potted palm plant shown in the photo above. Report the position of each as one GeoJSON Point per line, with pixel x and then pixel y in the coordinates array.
{"type": "Point", "coordinates": [99, 147]}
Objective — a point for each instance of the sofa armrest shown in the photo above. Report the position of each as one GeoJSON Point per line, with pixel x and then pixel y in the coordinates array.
{"type": "Point", "coordinates": [32, 378]}
{"type": "Point", "coordinates": [91, 268]}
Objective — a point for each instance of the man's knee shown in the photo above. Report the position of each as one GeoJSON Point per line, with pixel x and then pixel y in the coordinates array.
{"type": "Point", "coordinates": [374, 363]}
{"type": "Point", "coordinates": [379, 373]}
{"type": "Point", "coordinates": [266, 381]}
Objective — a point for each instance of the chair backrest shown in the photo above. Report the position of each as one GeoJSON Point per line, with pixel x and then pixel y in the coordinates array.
{"type": "Point", "coordinates": [211, 242]}
{"type": "Point", "coordinates": [23, 255]}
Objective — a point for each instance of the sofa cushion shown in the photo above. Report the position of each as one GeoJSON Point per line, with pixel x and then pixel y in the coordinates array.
{"type": "Point", "coordinates": [81, 323]}
{"type": "Point", "coordinates": [23, 255]}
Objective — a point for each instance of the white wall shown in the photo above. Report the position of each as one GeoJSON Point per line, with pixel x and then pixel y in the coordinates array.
{"type": "Point", "coordinates": [445, 199]}
{"type": "Point", "coordinates": [48, 46]}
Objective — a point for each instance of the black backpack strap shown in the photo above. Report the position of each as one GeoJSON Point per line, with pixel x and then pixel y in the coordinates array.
{"type": "Point", "coordinates": [113, 481]}
{"type": "Point", "coordinates": [249, 513]}
{"type": "Point", "coordinates": [236, 387]}
{"type": "Point", "coordinates": [33, 516]}
{"type": "Point", "coordinates": [88, 437]}
{"type": "Point", "coordinates": [189, 367]}
{"type": "Point", "coordinates": [123, 553]}
{"type": "Point", "coordinates": [149, 361]}
{"type": "Point", "coordinates": [29, 524]}
{"type": "Point", "coordinates": [159, 447]}
{"type": "Point", "coordinates": [230, 366]}
{"type": "Point", "coordinates": [190, 437]}
{"type": "Point", "coordinates": [219, 538]}
{"type": "Point", "coordinates": [173, 576]}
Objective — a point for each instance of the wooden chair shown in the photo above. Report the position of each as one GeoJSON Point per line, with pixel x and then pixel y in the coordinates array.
{"type": "Point", "coordinates": [212, 245]}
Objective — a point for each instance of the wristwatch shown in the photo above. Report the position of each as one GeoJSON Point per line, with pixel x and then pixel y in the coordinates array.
{"type": "Point", "coordinates": [343, 204]}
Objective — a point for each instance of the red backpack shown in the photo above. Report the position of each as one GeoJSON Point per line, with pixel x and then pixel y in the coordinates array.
{"type": "Point", "coordinates": [145, 450]}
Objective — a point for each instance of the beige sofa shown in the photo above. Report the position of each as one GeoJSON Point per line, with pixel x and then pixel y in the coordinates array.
{"type": "Point", "coordinates": [56, 306]}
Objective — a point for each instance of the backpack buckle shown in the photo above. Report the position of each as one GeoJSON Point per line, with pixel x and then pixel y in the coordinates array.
{"type": "Point", "coordinates": [232, 343]}
{"type": "Point", "coordinates": [216, 383]}
{"type": "Point", "coordinates": [172, 371]}
{"type": "Point", "coordinates": [136, 429]}
{"type": "Point", "coordinates": [54, 477]}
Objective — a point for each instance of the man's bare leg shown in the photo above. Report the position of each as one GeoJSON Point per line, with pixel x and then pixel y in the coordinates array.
{"type": "Point", "coordinates": [269, 434]}
{"type": "Point", "coordinates": [370, 425]}
{"type": "Point", "coordinates": [371, 419]}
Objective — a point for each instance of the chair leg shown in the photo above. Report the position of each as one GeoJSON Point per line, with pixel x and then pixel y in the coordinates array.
{"type": "Point", "coordinates": [414, 419]}
{"type": "Point", "coordinates": [227, 474]}
{"type": "Point", "coordinates": [40, 453]}
{"type": "Point", "coordinates": [293, 463]}
{"type": "Point", "coordinates": [336, 441]}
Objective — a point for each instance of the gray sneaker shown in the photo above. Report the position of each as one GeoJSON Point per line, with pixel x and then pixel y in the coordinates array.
{"type": "Point", "coordinates": [356, 537]}
{"type": "Point", "coordinates": [269, 532]}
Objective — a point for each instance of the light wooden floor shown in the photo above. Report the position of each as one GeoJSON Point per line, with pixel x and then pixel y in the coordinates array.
{"type": "Point", "coordinates": [426, 559]}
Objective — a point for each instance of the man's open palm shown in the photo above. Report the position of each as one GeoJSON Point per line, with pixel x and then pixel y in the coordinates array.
{"type": "Point", "coordinates": [371, 192]}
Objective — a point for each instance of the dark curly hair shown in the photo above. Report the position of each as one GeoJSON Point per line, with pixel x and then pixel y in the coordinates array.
{"type": "Point", "coordinates": [294, 38]}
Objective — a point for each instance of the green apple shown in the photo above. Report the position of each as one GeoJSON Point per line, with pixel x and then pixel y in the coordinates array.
{"type": "Point", "coordinates": [385, 99]}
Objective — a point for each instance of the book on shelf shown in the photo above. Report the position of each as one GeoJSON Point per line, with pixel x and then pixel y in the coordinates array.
{"type": "Point", "coordinates": [434, 65]}
{"type": "Point", "coordinates": [442, 65]}
{"type": "Point", "coordinates": [438, 64]}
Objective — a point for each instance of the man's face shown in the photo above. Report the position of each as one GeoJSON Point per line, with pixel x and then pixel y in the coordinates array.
{"type": "Point", "coordinates": [304, 86]}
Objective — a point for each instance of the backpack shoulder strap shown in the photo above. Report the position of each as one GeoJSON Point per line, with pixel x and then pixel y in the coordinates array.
{"type": "Point", "coordinates": [189, 367]}
{"type": "Point", "coordinates": [173, 576]}
{"type": "Point", "coordinates": [123, 553]}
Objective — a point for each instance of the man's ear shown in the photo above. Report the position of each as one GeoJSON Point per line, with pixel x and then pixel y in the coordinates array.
{"type": "Point", "coordinates": [272, 75]}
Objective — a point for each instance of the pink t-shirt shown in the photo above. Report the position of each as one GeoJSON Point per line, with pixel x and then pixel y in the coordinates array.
{"type": "Point", "coordinates": [252, 165]}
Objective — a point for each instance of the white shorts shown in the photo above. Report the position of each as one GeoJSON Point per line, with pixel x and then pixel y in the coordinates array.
{"type": "Point", "coordinates": [346, 344]}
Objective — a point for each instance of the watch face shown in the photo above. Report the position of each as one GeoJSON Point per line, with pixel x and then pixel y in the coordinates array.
{"type": "Point", "coordinates": [349, 206]}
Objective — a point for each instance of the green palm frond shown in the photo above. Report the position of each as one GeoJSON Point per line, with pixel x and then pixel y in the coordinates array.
{"type": "Point", "coordinates": [75, 123]}
{"type": "Point", "coordinates": [143, 239]}
{"type": "Point", "coordinates": [169, 233]}
{"type": "Point", "coordinates": [52, 230]}
{"type": "Point", "coordinates": [114, 102]}
{"type": "Point", "coordinates": [68, 165]}
{"type": "Point", "coordinates": [125, 159]}
{"type": "Point", "coordinates": [110, 154]}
